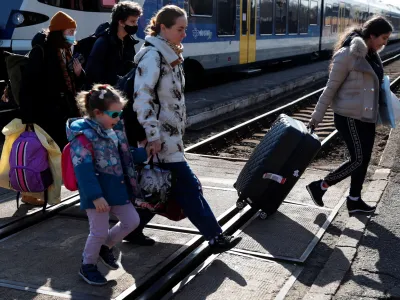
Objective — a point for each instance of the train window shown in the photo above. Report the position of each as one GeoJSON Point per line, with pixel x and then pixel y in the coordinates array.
{"type": "Point", "coordinates": [303, 16]}
{"type": "Point", "coordinates": [266, 16]}
{"type": "Point", "coordinates": [201, 7]}
{"type": "Point", "coordinates": [226, 17]}
{"type": "Point", "coordinates": [328, 15]}
{"type": "Point", "coordinates": [280, 16]}
{"type": "Point", "coordinates": [253, 17]}
{"type": "Point", "coordinates": [244, 17]}
{"type": "Point", "coordinates": [293, 16]}
{"type": "Point", "coordinates": [313, 12]}
{"type": "Point", "coordinates": [83, 5]}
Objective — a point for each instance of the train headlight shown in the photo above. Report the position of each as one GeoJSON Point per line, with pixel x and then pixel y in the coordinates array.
{"type": "Point", "coordinates": [18, 19]}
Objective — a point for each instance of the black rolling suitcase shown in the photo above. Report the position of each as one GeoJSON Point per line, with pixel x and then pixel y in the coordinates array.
{"type": "Point", "coordinates": [276, 164]}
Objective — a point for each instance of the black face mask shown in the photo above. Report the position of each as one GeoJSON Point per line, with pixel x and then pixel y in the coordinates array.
{"type": "Point", "coordinates": [131, 30]}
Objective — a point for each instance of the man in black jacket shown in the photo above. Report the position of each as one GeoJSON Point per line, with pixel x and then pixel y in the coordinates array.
{"type": "Point", "coordinates": [114, 51]}
{"type": "Point", "coordinates": [112, 56]}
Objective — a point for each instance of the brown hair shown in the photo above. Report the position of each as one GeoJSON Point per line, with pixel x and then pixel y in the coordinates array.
{"type": "Point", "coordinates": [56, 39]}
{"type": "Point", "coordinates": [123, 10]}
{"type": "Point", "coordinates": [377, 25]}
{"type": "Point", "coordinates": [167, 16]}
{"type": "Point", "coordinates": [88, 101]}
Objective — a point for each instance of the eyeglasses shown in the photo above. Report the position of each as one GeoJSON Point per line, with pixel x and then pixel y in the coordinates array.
{"type": "Point", "coordinates": [113, 114]}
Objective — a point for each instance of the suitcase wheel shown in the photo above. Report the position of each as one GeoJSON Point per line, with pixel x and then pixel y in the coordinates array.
{"type": "Point", "coordinates": [263, 215]}
{"type": "Point", "coordinates": [240, 204]}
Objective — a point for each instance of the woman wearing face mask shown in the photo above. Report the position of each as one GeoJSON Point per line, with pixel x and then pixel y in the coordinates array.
{"type": "Point", "coordinates": [114, 51]}
{"type": "Point", "coordinates": [51, 81]}
{"type": "Point", "coordinates": [354, 92]}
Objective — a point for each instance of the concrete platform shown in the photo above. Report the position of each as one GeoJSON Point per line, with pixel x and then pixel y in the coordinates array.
{"type": "Point", "coordinates": [215, 172]}
{"type": "Point", "coordinates": [48, 256]}
{"type": "Point", "coordinates": [286, 234]}
{"type": "Point", "coordinates": [240, 277]}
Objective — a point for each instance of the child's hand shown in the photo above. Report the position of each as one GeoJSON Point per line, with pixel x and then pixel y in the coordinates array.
{"type": "Point", "coordinates": [101, 205]}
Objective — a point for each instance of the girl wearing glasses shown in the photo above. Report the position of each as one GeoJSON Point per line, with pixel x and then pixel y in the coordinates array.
{"type": "Point", "coordinates": [105, 176]}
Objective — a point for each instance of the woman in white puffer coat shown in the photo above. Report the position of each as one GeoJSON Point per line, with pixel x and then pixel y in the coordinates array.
{"type": "Point", "coordinates": [160, 74]}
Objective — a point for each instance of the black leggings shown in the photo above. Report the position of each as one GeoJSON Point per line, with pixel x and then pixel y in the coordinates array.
{"type": "Point", "coordinates": [359, 137]}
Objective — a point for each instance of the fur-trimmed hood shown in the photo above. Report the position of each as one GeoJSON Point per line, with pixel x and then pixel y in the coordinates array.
{"type": "Point", "coordinates": [358, 47]}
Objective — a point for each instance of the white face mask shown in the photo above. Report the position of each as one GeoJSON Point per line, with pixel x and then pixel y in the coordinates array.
{"type": "Point", "coordinates": [70, 39]}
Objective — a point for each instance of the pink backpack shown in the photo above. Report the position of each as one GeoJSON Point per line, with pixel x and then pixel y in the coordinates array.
{"type": "Point", "coordinates": [67, 167]}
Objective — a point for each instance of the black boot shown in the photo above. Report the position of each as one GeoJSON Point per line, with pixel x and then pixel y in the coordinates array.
{"type": "Point", "coordinates": [139, 239]}
{"type": "Point", "coordinates": [316, 192]}
{"type": "Point", "coordinates": [359, 206]}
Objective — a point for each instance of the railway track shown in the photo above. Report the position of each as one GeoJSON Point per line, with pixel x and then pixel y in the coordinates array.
{"type": "Point", "coordinates": [241, 140]}
{"type": "Point", "coordinates": [171, 273]}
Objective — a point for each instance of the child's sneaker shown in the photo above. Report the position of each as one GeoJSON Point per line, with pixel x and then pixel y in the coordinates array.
{"type": "Point", "coordinates": [91, 275]}
{"type": "Point", "coordinates": [108, 258]}
{"type": "Point", "coordinates": [223, 243]}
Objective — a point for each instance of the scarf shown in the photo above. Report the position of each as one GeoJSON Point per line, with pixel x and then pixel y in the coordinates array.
{"type": "Point", "coordinates": [68, 77]}
{"type": "Point", "coordinates": [177, 49]}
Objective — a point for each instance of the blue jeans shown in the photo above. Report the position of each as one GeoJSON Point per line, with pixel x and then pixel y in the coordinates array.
{"type": "Point", "coordinates": [188, 195]}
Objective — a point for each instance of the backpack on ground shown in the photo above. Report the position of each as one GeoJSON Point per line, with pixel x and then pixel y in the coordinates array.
{"type": "Point", "coordinates": [15, 64]}
{"type": "Point", "coordinates": [134, 130]}
{"type": "Point", "coordinates": [67, 167]}
{"type": "Point", "coordinates": [29, 165]}
{"type": "Point", "coordinates": [85, 45]}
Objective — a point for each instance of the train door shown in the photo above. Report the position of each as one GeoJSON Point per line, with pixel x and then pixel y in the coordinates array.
{"type": "Point", "coordinates": [342, 17]}
{"type": "Point", "coordinates": [248, 9]}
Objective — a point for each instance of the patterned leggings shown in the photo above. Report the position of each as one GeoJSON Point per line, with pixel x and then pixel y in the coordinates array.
{"type": "Point", "coordinates": [359, 137]}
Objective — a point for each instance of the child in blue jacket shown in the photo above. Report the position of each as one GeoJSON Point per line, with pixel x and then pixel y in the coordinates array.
{"type": "Point", "coordinates": [106, 181]}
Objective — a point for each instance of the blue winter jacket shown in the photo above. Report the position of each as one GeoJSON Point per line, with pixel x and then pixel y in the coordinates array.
{"type": "Point", "coordinates": [110, 173]}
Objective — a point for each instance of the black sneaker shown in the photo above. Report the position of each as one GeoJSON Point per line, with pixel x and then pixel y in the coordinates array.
{"type": "Point", "coordinates": [316, 193]}
{"type": "Point", "coordinates": [91, 275]}
{"type": "Point", "coordinates": [359, 206]}
{"type": "Point", "coordinates": [223, 243]}
{"type": "Point", "coordinates": [139, 239]}
{"type": "Point", "coordinates": [108, 258]}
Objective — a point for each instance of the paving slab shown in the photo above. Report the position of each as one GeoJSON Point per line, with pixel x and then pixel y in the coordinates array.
{"type": "Point", "coordinates": [49, 255]}
{"type": "Point", "coordinates": [285, 235]}
{"type": "Point", "coordinates": [232, 276]}
{"type": "Point", "coordinates": [216, 172]}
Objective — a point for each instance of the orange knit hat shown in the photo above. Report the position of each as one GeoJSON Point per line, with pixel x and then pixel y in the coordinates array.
{"type": "Point", "coordinates": [61, 21]}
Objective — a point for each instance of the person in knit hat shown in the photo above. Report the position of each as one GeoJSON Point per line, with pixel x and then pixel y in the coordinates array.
{"type": "Point", "coordinates": [61, 21]}
{"type": "Point", "coordinates": [51, 80]}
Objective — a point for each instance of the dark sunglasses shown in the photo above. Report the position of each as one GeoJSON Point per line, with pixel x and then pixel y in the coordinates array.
{"type": "Point", "coordinates": [113, 114]}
